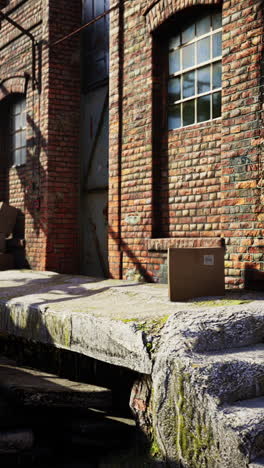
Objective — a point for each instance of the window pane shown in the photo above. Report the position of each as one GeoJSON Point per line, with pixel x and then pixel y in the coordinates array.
{"type": "Point", "coordinates": [203, 79]}
{"type": "Point", "coordinates": [203, 108]}
{"type": "Point", "coordinates": [203, 50]}
{"type": "Point", "coordinates": [17, 122]}
{"type": "Point", "coordinates": [17, 108]}
{"type": "Point", "coordinates": [174, 42]}
{"type": "Point", "coordinates": [174, 117]}
{"type": "Point", "coordinates": [188, 112]}
{"type": "Point", "coordinates": [203, 26]}
{"type": "Point", "coordinates": [188, 56]}
{"type": "Point", "coordinates": [217, 20]}
{"type": "Point", "coordinates": [17, 140]}
{"type": "Point", "coordinates": [216, 105]}
{"type": "Point", "coordinates": [188, 84]}
{"type": "Point", "coordinates": [188, 33]}
{"type": "Point", "coordinates": [23, 138]}
{"type": "Point", "coordinates": [174, 90]}
{"type": "Point", "coordinates": [174, 61]}
{"type": "Point", "coordinates": [24, 120]}
{"type": "Point", "coordinates": [217, 44]}
{"type": "Point", "coordinates": [16, 157]}
{"type": "Point", "coordinates": [23, 155]}
{"type": "Point", "coordinates": [217, 75]}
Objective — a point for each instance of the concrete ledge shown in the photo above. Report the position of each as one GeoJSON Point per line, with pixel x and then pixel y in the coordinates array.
{"type": "Point", "coordinates": [184, 242]}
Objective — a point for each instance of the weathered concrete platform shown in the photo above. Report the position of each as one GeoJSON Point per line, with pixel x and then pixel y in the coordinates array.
{"type": "Point", "coordinates": [111, 320]}
{"type": "Point", "coordinates": [201, 362]}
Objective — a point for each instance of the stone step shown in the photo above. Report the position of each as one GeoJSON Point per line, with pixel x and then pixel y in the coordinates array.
{"type": "Point", "coordinates": [31, 387]}
{"type": "Point", "coordinates": [222, 328]}
{"type": "Point", "coordinates": [236, 374]}
{"type": "Point", "coordinates": [243, 426]}
{"type": "Point", "coordinates": [258, 463]}
{"type": "Point", "coordinates": [16, 441]}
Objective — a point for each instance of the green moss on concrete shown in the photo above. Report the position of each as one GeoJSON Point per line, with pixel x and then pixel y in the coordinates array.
{"type": "Point", "coordinates": [220, 302]}
{"type": "Point", "coordinates": [152, 327]}
{"type": "Point", "coordinates": [194, 437]}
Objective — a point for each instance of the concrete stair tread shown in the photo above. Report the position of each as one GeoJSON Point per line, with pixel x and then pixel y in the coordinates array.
{"type": "Point", "coordinates": [245, 415]}
{"type": "Point", "coordinates": [258, 463]}
{"type": "Point", "coordinates": [232, 375]}
{"type": "Point", "coordinates": [35, 388]}
{"type": "Point", "coordinates": [252, 354]}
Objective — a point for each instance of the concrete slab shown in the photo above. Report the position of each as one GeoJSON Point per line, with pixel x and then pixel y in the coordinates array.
{"type": "Point", "coordinates": [111, 320]}
{"type": "Point", "coordinates": [31, 387]}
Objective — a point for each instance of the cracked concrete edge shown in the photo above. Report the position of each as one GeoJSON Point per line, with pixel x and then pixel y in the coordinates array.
{"type": "Point", "coordinates": [104, 339]}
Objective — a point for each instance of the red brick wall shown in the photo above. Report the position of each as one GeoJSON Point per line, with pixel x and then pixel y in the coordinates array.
{"type": "Point", "coordinates": [187, 183]}
{"type": "Point", "coordinates": [46, 188]}
{"type": "Point", "coordinates": [242, 140]}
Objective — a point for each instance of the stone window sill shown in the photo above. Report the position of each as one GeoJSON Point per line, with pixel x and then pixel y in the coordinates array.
{"type": "Point", "coordinates": [159, 245]}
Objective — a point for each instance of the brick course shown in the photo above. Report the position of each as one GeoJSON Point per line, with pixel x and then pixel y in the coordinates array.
{"type": "Point", "coordinates": [200, 182]}
{"type": "Point", "coordinates": [46, 188]}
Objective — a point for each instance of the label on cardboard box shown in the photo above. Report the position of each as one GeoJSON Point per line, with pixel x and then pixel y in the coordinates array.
{"type": "Point", "coordinates": [209, 260]}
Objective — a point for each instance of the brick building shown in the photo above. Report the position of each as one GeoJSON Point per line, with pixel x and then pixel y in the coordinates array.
{"type": "Point", "coordinates": [186, 133]}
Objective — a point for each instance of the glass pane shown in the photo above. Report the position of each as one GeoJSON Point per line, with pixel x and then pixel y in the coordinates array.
{"type": "Point", "coordinates": [188, 56]}
{"type": "Point", "coordinates": [23, 105]}
{"type": "Point", "coordinates": [188, 84]}
{"type": "Point", "coordinates": [203, 50]}
{"type": "Point", "coordinates": [24, 119]}
{"type": "Point", "coordinates": [23, 155]}
{"type": "Point", "coordinates": [174, 90]}
{"type": "Point", "coordinates": [203, 26]}
{"type": "Point", "coordinates": [17, 138]}
{"type": "Point", "coordinates": [188, 33]}
{"type": "Point", "coordinates": [217, 75]}
{"type": "Point", "coordinates": [174, 42]}
{"type": "Point", "coordinates": [174, 117]}
{"type": "Point", "coordinates": [217, 44]}
{"type": "Point", "coordinates": [217, 20]}
{"type": "Point", "coordinates": [17, 108]}
{"type": "Point", "coordinates": [188, 113]}
{"type": "Point", "coordinates": [17, 122]}
{"type": "Point", "coordinates": [23, 138]}
{"type": "Point", "coordinates": [203, 75]}
{"type": "Point", "coordinates": [203, 108]}
{"type": "Point", "coordinates": [216, 105]}
{"type": "Point", "coordinates": [16, 160]}
{"type": "Point", "coordinates": [174, 61]}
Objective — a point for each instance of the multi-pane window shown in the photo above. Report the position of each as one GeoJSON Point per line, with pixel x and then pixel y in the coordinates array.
{"type": "Point", "coordinates": [17, 132]}
{"type": "Point", "coordinates": [195, 69]}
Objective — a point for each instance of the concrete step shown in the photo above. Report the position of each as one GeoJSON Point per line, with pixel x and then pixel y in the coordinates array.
{"type": "Point", "coordinates": [243, 424]}
{"type": "Point", "coordinates": [29, 387]}
{"type": "Point", "coordinates": [258, 463]}
{"type": "Point", "coordinates": [233, 375]}
{"type": "Point", "coordinates": [14, 441]}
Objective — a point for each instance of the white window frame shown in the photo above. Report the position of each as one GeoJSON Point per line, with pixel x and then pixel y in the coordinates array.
{"type": "Point", "coordinates": [195, 68]}
{"type": "Point", "coordinates": [17, 131]}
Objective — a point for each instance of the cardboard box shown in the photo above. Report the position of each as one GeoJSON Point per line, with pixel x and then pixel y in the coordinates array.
{"type": "Point", "coordinates": [7, 218]}
{"type": "Point", "coordinates": [195, 272]}
{"type": "Point", "coordinates": [6, 261]}
{"type": "Point", "coordinates": [2, 242]}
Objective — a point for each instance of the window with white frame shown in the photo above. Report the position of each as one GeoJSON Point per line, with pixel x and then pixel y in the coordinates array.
{"type": "Point", "coordinates": [17, 131]}
{"type": "Point", "coordinates": [195, 72]}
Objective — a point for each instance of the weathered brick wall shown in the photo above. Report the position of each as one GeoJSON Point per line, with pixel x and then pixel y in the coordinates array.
{"type": "Point", "coordinates": [187, 183]}
{"type": "Point", "coordinates": [45, 189]}
{"type": "Point", "coordinates": [242, 140]}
